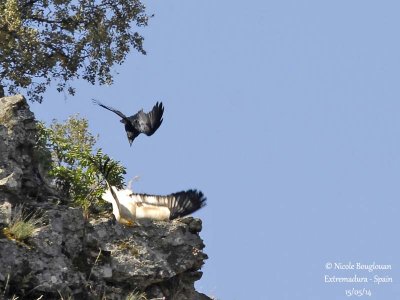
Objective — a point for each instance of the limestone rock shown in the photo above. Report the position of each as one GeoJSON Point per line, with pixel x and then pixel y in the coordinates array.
{"type": "Point", "coordinates": [19, 169]}
{"type": "Point", "coordinates": [5, 213]}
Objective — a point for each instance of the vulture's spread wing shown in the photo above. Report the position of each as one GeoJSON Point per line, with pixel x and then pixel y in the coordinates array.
{"type": "Point", "coordinates": [179, 204]}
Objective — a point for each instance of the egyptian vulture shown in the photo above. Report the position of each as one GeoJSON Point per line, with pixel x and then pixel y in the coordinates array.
{"type": "Point", "coordinates": [140, 122]}
{"type": "Point", "coordinates": [129, 207]}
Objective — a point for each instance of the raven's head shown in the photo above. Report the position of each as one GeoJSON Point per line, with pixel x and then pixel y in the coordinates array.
{"type": "Point", "coordinates": [131, 136]}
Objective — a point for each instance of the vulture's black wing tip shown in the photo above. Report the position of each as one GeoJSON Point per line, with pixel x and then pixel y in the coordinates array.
{"type": "Point", "coordinates": [160, 106]}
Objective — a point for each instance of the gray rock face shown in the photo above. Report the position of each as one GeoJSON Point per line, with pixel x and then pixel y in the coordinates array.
{"type": "Point", "coordinates": [19, 169]}
{"type": "Point", "coordinates": [70, 257]}
{"type": "Point", "coordinates": [5, 213]}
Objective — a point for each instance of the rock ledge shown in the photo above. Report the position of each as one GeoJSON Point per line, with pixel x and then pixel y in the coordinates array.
{"type": "Point", "coordinates": [74, 258]}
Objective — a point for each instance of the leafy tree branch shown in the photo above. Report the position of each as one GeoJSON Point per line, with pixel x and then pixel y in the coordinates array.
{"type": "Point", "coordinates": [61, 40]}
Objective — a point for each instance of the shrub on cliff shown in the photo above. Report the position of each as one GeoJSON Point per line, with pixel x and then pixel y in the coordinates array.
{"type": "Point", "coordinates": [73, 162]}
{"type": "Point", "coordinates": [23, 224]}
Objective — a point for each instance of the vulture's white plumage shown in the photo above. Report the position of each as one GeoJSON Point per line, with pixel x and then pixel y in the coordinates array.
{"type": "Point", "coordinates": [129, 207]}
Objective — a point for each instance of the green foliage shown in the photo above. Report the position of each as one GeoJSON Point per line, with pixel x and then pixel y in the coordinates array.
{"type": "Point", "coordinates": [23, 224]}
{"type": "Point", "coordinates": [75, 166]}
{"type": "Point", "coordinates": [45, 40]}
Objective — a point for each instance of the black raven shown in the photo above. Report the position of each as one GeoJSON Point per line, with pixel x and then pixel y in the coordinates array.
{"type": "Point", "coordinates": [140, 122]}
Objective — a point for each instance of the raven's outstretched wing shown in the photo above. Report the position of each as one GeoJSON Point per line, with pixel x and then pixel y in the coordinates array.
{"type": "Point", "coordinates": [148, 123]}
{"type": "Point", "coordinates": [109, 108]}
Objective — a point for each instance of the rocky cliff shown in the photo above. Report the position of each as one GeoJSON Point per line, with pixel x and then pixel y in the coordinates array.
{"type": "Point", "coordinates": [70, 257]}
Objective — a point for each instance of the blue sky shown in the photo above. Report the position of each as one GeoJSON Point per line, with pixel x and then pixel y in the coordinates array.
{"type": "Point", "coordinates": [286, 115]}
